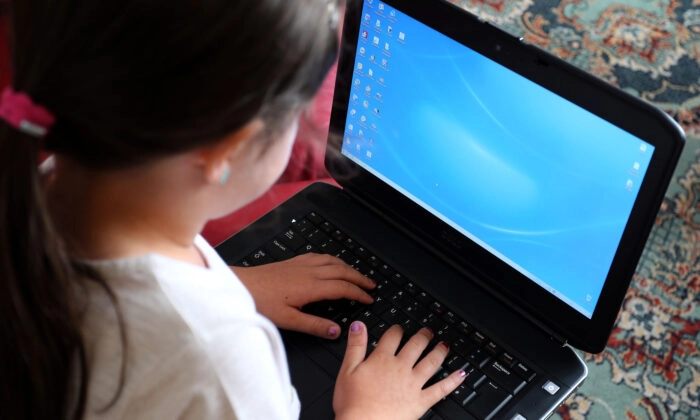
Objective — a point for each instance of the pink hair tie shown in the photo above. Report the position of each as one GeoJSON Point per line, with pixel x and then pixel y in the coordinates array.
{"type": "Point", "coordinates": [18, 110]}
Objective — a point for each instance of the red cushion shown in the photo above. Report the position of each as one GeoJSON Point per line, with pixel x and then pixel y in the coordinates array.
{"type": "Point", "coordinates": [309, 150]}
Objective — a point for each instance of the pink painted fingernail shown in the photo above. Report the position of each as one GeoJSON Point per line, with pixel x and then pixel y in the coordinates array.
{"type": "Point", "coordinates": [462, 374]}
{"type": "Point", "coordinates": [355, 327]}
{"type": "Point", "coordinates": [333, 331]}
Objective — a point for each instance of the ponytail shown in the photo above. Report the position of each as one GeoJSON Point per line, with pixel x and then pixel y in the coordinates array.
{"type": "Point", "coordinates": [42, 348]}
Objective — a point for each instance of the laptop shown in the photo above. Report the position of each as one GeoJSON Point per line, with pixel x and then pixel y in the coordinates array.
{"type": "Point", "coordinates": [496, 194]}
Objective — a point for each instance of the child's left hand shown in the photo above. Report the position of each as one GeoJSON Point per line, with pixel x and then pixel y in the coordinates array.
{"type": "Point", "coordinates": [280, 290]}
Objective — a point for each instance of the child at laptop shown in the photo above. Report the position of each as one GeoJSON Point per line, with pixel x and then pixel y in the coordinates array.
{"type": "Point", "coordinates": [162, 115]}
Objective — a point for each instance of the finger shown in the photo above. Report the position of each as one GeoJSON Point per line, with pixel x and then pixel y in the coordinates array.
{"type": "Point", "coordinates": [429, 364]}
{"type": "Point", "coordinates": [296, 320]}
{"type": "Point", "coordinates": [390, 340]}
{"type": "Point", "coordinates": [415, 346]}
{"type": "Point", "coordinates": [357, 347]}
{"type": "Point", "coordinates": [339, 289]}
{"type": "Point", "coordinates": [319, 260]}
{"type": "Point", "coordinates": [342, 271]}
{"type": "Point", "coordinates": [441, 389]}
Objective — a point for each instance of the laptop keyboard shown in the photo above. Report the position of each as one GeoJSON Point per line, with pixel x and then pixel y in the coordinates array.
{"type": "Point", "coordinates": [493, 375]}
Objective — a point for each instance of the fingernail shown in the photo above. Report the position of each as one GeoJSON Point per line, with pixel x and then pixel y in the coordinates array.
{"type": "Point", "coordinates": [462, 374]}
{"type": "Point", "coordinates": [355, 327]}
{"type": "Point", "coordinates": [445, 345]}
{"type": "Point", "coordinates": [333, 331]}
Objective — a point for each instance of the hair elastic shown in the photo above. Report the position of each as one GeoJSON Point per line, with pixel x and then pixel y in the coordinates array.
{"type": "Point", "coordinates": [18, 110]}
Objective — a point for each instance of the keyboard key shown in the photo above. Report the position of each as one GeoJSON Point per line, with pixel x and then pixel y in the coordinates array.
{"type": "Point", "coordinates": [364, 269]}
{"type": "Point", "coordinates": [507, 359]}
{"type": "Point", "coordinates": [492, 348]}
{"type": "Point", "coordinates": [478, 337]}
{"type": "Point", "coordinates": [410, 327]}
{"type": "Point", "coordinates": [464, 328]}
{"type": "Point", "coordinates": [478, 357]}
{"type": "Point", "coordinates": [399, 297]}
{"type": "Point", "coordinates": [339, 236]}
{"type": "Point", "coordinates": [344, 322]}
{"type": "Point", "coordinates": [379, 329]}
{"type": "Point", "coordinates": [279, 251]}
{"type": "Point", "coordinates": [387, 289]}
{"type": "Point", "coordinates": [315, 218]}
{"type": "Point", "coordinates": [306, 249]}
{"type": "Point", "coordinates": [454, 362]}
{"type": "Point", "coordinates": [411, 288]}
{"type": "Point", "coordinates": [380, 304]}
{"type": "Point", "coordinates": [393, 315]}
{"type": "Point", "coordinates": [386, 270]}
{"type": "Point", "coordinates": [488, 400]}
{"type": "Point", "coordinates": [450, 318]}
{"type": "Point", "coordinates": [260, 257]}
{"type": "Point", "coordinates": [346, 256]}
{"type": "Point", "coordinates": [431, 321]}
{"type": "Point", "coordinates": [449, 409]}
{"type": "Point", "coordinates": [349, 243]}
{"type": "Point", "coordinates": [524, 371]}
{"type": "Point", "coordinates": [410, 307]}
{"type": "Point", "coordinates": [463, 394]}
{"type": "Point", "coordinates": [317, 237]}
{"type": "Point", "coordinates": [461, 345]}
{"type": "Point", "coordinates": [443, 333]}
{"type": "Point", "coordinates": [374, 262]}
{"type": "Point", "coordinates": [501, 374]}
{"type": "Point", "coordinates": [437, 308]}
{"type": "Point", "coordinates": [369, 318]}
{"type": "Point", "coordinates": [425, 299]}
{"type": "Point", "coordinates": [292, 238]}
{"type": "Point", "coordinates": [326, 226]}
{"type": "Point", "coordinates": [303, 226]}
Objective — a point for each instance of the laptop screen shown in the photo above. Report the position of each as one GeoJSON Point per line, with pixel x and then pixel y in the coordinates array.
{"type": "Point", "coordinates": [538, 181]}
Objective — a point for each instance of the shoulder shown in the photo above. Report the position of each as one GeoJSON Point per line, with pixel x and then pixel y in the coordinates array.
{"type": "Point", "coordinates": [194, 344]}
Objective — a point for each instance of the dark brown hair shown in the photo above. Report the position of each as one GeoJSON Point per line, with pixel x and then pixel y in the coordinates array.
{"type": "Point", "coordinates": [129, 81]}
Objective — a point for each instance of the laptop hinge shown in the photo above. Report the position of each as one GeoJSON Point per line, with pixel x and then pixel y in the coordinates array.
{"type": "Point", "coordinates": [558, 339]}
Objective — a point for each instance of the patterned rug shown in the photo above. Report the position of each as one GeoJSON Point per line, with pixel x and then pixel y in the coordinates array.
{"type": "Point", "coordinates": [650, 48]}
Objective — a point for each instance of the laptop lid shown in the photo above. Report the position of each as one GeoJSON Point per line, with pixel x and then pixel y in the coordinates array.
{"type": "Point", "coordinates": [536, 180]}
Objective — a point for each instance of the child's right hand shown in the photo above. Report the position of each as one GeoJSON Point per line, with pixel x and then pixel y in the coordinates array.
{"type": "Point", "coordinates": [389, 385]}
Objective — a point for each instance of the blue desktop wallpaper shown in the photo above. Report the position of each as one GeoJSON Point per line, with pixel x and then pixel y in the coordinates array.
{"type": "Point", "coordinates": [533, 178]}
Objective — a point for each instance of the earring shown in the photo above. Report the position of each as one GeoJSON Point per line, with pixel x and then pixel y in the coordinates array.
{"type": "Point", "coordinates": [224, 176]}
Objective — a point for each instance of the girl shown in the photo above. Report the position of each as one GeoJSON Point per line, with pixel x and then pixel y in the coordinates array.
{"type": "Point", "coordinates": [162, 115]}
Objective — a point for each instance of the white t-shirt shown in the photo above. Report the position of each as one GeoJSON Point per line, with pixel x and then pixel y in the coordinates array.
{"type": "Point", "coordinates": [197, 348]}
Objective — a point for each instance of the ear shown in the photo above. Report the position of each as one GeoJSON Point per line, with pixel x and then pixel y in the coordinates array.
{"type": "Point", "coordinates": [216, 159]}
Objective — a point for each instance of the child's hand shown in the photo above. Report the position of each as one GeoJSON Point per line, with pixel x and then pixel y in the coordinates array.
{"type": "Point", "coordinates": [388, 385]}
{"type": "Point", "coordinates": [281, 289]}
